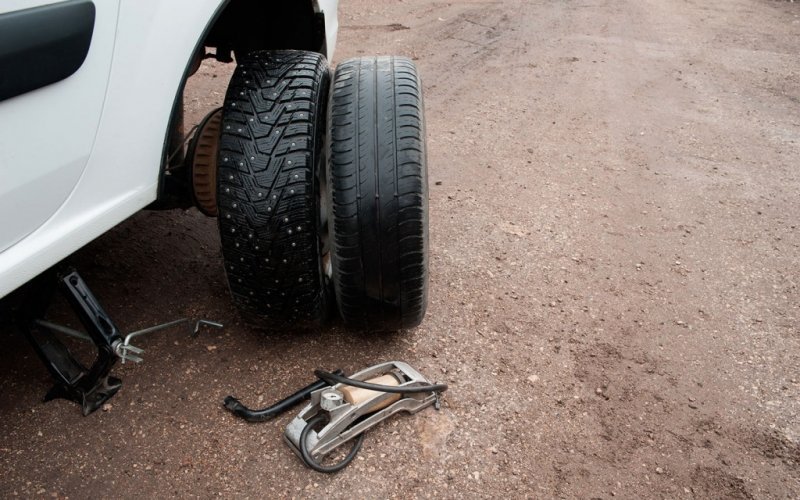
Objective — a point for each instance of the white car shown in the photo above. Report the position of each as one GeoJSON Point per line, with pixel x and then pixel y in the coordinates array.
{"type": "Point", "coordinates": [318, 178]}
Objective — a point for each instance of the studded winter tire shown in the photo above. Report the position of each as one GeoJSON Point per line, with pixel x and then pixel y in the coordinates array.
{"type": "Point", "coordinates": [378, 191]}
{"type": "Point", "coordinates": [271, 146]}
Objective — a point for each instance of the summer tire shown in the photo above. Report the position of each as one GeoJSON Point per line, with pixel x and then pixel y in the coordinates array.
{"type": "Point", "coordinates": [377, 177]}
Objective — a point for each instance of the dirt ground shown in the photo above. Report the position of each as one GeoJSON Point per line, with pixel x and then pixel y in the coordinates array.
{"type": "Point", "coordinates": [615, 262]}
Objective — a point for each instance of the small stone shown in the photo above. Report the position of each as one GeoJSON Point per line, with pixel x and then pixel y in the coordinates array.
{"type": "Point", "coordinates": [107, 407]}
{"type": "Point", "coordinates": [533, 379]}
{"type": "Point", "coordinates": [210, 348]}
{"type": "Point", "coordinates": [599, 391]}
{"type": "Point", "coordinates": [659, 470]}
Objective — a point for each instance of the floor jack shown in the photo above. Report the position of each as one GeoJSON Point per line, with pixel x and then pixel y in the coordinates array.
{"type": "Point", "coordinates": [343, 409]}
{"type": "Point", "coordinates": [89, 387]}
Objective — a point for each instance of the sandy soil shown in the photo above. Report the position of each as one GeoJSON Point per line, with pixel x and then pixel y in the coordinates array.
{"type": "Point", "coordinates": [614, 296]}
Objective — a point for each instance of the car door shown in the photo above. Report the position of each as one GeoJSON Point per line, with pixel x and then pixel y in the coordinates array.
{"type": "Point", "coordinates": [55, 59]}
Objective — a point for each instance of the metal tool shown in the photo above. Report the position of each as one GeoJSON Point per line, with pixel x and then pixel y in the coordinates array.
{"type": "Point", "coordinates": [89, 386]}
{"type": "Point", "coordinates": [123, 348]}
{"type": "Point", "coordinates": [347, 414]}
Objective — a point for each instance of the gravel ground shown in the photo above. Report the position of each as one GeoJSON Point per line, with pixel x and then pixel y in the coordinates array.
{"type": "Point", "coordinates": [614, 295]}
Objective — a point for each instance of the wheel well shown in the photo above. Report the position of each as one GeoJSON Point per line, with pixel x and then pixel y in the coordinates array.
{"type": "Point", "coordinates": [240, 26]}
{"type": "Point", "coordinates": [246, 25]}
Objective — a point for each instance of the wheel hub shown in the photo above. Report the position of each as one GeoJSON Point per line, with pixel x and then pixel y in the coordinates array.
{"type": "Point", "coordinates": [204, 163]}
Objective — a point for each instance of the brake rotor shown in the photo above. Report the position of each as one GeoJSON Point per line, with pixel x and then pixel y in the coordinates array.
{"type": "Point", "coordinates": [203, 157]}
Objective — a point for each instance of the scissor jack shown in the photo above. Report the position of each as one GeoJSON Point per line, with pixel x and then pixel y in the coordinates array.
{"type": "Point", "coordinates": [89, 387]}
